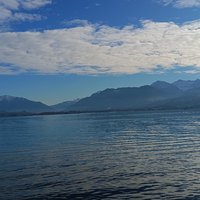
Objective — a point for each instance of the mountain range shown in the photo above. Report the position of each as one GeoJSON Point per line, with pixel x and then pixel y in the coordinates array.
{"type": "Point", "coordinates": [160, 95]}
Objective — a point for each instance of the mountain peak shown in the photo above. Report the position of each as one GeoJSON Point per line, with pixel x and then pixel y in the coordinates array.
{"type": "Point", "coordinates": [19, 104]}
{"type": "Point", "coordinates": [7, 98]}
{"type": "Point", "coordinates": [187, 84]}
{"type": "Point", "coordinates": [161, 84]}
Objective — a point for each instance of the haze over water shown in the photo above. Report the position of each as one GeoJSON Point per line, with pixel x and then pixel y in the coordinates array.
{"type": "Point", "coordinates": [119, 155]}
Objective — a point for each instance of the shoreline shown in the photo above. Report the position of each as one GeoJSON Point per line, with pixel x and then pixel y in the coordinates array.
{"type": "Point", "coordinates": [24, 114]}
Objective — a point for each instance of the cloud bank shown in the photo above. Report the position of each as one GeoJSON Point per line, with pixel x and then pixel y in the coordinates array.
{"type": "Point", "coordinates": [100, 49]}
{"type": "Point", "coordinates": [10, 10]}
{"type": "Point", "coordinates": [182, 3]}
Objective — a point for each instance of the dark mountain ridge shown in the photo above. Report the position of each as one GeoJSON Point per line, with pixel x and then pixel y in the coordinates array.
{"type": "Point", "coordinates": [159, 95]}
{"type": "Point", "coordinates": [124, 98]}
{"type": "Point", "coordinates": [187, 85]}
{"type": "Point", "coordinates": [19, 104]}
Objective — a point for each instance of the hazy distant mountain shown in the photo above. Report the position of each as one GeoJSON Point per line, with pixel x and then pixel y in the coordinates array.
{"type": "Point", "coordinates": [187, 85]}
{"type": "Point", "coordinates": [161, 85]}
{"type": "Point", "coordinates": [189, 99]}
{"type": "Point", "coordinates": [167, 88]}
{"type": "Point", "coordinates": [125, 98]}
{"type": "Point", "coordinates": [64, 105]}
{"type": "Point", "coordinates": [17, 104]}
{"type": "Point", "coordinates": [159, 95]}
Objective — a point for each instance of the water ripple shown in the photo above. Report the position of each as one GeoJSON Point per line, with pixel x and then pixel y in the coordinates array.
{"type": "Point", "coordinates": [119, 155]}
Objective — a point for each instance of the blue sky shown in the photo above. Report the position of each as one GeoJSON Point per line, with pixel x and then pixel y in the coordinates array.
{"type": "Point", "coordinates": [57, 50]}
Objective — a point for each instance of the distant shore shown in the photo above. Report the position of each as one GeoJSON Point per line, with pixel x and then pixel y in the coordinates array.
{"type": "Point", "coordinates": [21, 114]}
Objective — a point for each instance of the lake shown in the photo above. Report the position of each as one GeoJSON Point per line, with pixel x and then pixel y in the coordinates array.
{"type": "Point", "coordinates": [117, 155]}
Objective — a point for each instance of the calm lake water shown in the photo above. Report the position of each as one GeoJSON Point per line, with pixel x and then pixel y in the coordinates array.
{"type": "Point", "coordinates": [122, 155]}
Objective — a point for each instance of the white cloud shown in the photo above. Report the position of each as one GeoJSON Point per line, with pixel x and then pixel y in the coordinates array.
{"type": "Point", "coordinates": [93, 49]}
{"type": "Point", "coordinates": [182, 3]}
{"type": "Point", "coordinates": [26, 17]}
{"type": "Point", "coordinates": [4, 14]}
{"type": "Point", "coordinates": [10, 10]}
{"type": "Point", "coordinates": [10, 4]}
{"type": "Point", "coordinates": [34, 4]}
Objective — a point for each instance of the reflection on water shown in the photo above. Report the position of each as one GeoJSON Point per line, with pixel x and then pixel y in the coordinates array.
{"type": "Point", "coordinates": [122, 155]}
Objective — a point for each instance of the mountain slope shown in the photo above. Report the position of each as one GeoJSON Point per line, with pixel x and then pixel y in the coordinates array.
{"type": "Point", "coordinates": [187, 85]}
{"type": "Point", "coordinates": [167, 88]}
{"type": "Point", "coordinates": [189, 99]}
{"type": "Point", "coordinates": [17, 104]}
{"type": "Point", "coordinates": [63, 106]}
{"type": "Point", "coordinates": [161, 85]}
{"type": "Point", "coordinates": [159, 95]}
{"type": "Point", "coordinates": [124, 98]}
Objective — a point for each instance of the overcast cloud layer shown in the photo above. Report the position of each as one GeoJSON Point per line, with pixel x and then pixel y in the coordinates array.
{"type": "Point", "coordinates": [93, 49]}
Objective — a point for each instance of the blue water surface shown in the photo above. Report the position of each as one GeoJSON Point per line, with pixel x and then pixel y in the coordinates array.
{"type": "Point", "coordinates": [117, 155]}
